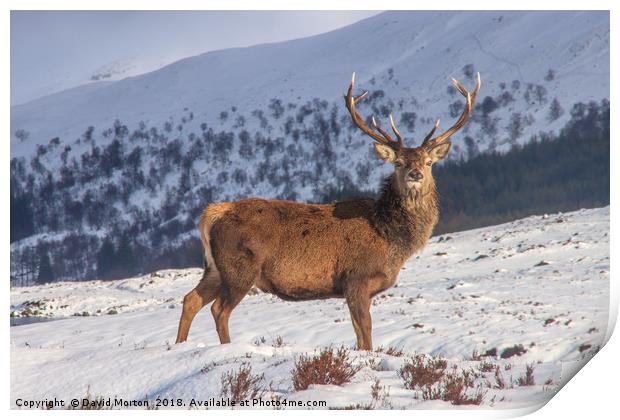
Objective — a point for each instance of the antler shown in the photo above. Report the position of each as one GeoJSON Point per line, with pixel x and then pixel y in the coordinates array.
{"type": "Point", "coordinates": [381, 136]}
{"type": "Point", "coordinates": [469, 106]}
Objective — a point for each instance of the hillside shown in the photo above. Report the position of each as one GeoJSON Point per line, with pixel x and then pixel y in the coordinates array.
{"type": "Point", "coordinates": [408, 55]}
{"type": "Point", "coordinates": [541, 283]}
{"type": "Point", "coordinates": [129, 164]}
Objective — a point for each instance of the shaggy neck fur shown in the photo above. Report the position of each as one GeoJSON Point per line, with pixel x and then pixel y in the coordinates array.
{"type": "Point", "coordinates": [406, 219]}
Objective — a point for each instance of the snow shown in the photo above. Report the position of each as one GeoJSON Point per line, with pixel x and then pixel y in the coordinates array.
{"type": "Point", "coordinates": [424, 50]}
{"type": "Point", "coordinates": [542, 282]}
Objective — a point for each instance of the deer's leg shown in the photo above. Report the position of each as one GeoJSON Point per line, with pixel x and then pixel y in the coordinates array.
{"type": "Point", "coordinates": [194, 301]}
{"type": "Point", "coordinates": [358, 299]}
{"type": "Point", "coordinates": [224, 304]}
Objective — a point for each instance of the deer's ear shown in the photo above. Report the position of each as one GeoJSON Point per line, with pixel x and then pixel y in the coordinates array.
{"type": "Point", "coordinates": [440, 151]}
{"type": "Point", "coordinates": [385, 153]}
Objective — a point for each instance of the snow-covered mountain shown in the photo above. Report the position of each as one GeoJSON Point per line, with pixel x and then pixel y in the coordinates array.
{"type": "Point", "coordinates": [64, 79]}
{"type": "Point", "coordinates": [539, 285]}
{"type": "Point", "coordinates": [408, 55]}
{"type": "Point", "coordinates": [139, 158]}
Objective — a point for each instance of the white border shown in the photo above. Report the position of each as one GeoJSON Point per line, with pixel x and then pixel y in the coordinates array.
{"type": "Point", "coordinates": [591, 394]}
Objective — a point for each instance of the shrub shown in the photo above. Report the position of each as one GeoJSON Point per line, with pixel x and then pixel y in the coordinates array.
{"type": "Point", "coordinates": [242, 385]}
{"type": "Point", "coordinates": [330, 366]}
{"type": "Point", "coordinates": [516, 350]}
{"type": "Point", "coordinates": [555, 110]}
{"type": "Point", "coordinates": [429, 375]}
{"type": "Point", "coordinates": [454, 387]}
{"type": "Point", "coordinates": [584, 347]}
{"type": "Point", "coordinates": [422, 370]}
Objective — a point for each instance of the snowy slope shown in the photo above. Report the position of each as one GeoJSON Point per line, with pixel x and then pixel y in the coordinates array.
{"type": "Point", "coordinates": [63, 79]}
{"type": "Point", "coordinates": [542, 282]}
{"type": "Point", "coordinates": [422, 49]}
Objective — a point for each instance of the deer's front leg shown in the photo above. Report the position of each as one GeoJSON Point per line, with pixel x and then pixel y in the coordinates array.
{"type": "Point", "coordinates": [358, 300]}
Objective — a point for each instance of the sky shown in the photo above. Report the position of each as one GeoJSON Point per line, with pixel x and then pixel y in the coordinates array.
{"type": "Point", "coordinates": [57, 50]}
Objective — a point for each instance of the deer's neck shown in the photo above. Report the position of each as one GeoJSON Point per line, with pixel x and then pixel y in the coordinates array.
{"type": "Point", "coordinates": [406, 221]}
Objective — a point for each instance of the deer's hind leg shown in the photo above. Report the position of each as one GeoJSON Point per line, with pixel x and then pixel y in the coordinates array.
{"type": "Point", "coordinates": [236, 283]}
{"type": "Point", "coordinates": [207, 290]}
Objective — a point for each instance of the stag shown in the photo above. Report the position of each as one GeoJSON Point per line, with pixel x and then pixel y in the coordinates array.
{"type": "Point", "coordinates": [351, 249]}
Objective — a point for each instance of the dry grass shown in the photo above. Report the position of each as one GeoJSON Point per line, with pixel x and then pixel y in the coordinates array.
{"type": "Point", "coordinates": [390, 351]}
{"type": "Point", "coordinates": [242, 385]}
{"type": "Point", "coordinates": [89, 403]}
{"type": "Point", "coordinates": [528, 378]}
{"type": "Point", "coordinates": [379, 395]}
{"type": "Point", "coordinates": [278, 341]}
{"type": "Point", "coordinates": [330, 366]}
{"type": "Point", "coordinates": [500, 383]}
{"type": "Point", "coordinates": [372, 363]}
{"type": "Point", "coordinates": [260, 340]}
{"type": "Point", "coordinates": [486, 366]}
{"type": "Point", "coordinates": [480, 356]}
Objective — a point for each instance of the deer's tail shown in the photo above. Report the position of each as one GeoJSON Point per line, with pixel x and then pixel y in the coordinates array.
{"type": "Point", "coordinates": [212, 213]}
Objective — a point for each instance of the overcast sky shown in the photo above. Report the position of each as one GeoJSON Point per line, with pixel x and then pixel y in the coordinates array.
{"type": "Point", "coordinates": [52, 51]}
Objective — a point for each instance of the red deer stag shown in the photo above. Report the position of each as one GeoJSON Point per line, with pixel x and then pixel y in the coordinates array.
{"type": "Point", "coordinates": [350, 249]}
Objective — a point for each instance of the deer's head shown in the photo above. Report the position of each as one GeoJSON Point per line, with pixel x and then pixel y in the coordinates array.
{"type": "Point", "coordinates": [412, 165]}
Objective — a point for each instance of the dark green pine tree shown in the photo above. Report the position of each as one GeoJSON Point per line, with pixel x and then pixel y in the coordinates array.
{"type": "Point", "coordinates": [46, 273]}
{"type": "Point", "coordinates": [125, 257]}
{"type": "Point", "coordinates": [21, 216]}
{"type": "Point", "coordinates": [106, 259]}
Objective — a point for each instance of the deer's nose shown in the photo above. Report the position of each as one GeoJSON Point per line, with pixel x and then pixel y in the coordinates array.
{"type": "Point", "coordinates": [415, 175]}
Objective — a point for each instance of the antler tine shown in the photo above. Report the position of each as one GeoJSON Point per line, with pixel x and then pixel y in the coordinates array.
{"type": "Point", "coordinates": [350, 102]}
{"type": "Point", "coordinates": [360, 97]}
{"type": "Point", "coordinates": [430, 133]}
{"type": "Point", "coordinates": [469, 106]}
{"type": "Point", "coordinates": [462, 89]}
{"type": "Point", "coordinates": [380, 130]}
{"type": "Point", "coordinates": [396, 132]}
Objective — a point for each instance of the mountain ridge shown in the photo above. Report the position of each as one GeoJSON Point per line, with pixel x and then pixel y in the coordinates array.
{"type": "Point", "coordinates": [309, 67]}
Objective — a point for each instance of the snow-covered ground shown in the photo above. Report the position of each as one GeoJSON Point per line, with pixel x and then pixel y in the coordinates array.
{"type": "Point", "coordinates": [541, 282]}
